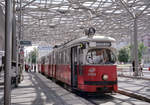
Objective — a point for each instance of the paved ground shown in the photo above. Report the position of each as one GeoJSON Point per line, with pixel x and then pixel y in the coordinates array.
{"type": "Point", "coordinates": [1, 86]}
{"type": "Point", "coordinates": [138, 85]}
{"type": "Point", "coordinates": [37, 90]}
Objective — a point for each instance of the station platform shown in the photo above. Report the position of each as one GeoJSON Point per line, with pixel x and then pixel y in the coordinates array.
{"type": "Point", "coordinates": [1, 86]}
{"type": "Point", "coordinates": [36, 89]}
{"type": "Point", "coordinates": [135, 85]}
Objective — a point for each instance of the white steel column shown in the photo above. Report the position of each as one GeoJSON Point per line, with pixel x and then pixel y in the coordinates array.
{"type": "Point", "coordinates": [136, 48]}
{"type": "Point", "coordinates": [8, 39]}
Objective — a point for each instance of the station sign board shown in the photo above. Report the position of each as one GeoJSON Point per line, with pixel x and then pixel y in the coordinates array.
{"type": "Point", "coordinates": [25, 43]}
{"type": "Point", "coordinates": [44, 48]}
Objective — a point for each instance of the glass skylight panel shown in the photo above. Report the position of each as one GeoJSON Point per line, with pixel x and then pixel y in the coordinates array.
{"type": "Point", "coordinates": [142, 7]}
{"type": "Point", "coordinates": [64, 18]}
{"type": "Point", "coordinates": [56, 1]}
{"type": "Point", "coordinates": [87, 3]}
{"type": "Point", "coordinates": [32, 6]}
{"type": "Point", "coordinates": [64, 7]}
{"type": "Point", "coordinates": [61, 22]}
{"type": "Point", "coordinates": [62, 14]}
{"type": "Point", "coordinates": [148, 14]}
{"type": "Point", "coordinates": [95, 4]}
{"type": "Point", "coordinates": [109, 11]}
{"type": "Point", "coordinates": [56, 19]}
{"type": "Point", "coordinates": [106, 4]}
{"type": "Point", "coordinates": [55, 8]}
{"type": "Point", "coordinates": [117, 12]}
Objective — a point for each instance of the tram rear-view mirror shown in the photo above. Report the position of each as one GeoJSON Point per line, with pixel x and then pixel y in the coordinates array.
{"type": "Point", "coordinates": [82, 45]}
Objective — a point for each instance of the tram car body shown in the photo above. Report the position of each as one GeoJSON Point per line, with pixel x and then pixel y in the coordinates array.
{"type": "Point", "coordinates": [41, 65]}
{"type": "Point", "coordinates": [85, 64]}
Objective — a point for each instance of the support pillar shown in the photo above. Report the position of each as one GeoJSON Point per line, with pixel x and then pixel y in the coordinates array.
{"type": "Point", "coordinates": [8, 39]}
{"type": "Point", "coordinates": [136, 48]}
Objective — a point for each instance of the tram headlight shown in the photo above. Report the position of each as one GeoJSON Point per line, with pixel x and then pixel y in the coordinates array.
{"type": "Point", "coordinates": [105, 77]}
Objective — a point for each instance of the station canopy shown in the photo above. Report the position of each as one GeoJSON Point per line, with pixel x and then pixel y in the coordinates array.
{"type": "Point", "coordinates": [57, 21]}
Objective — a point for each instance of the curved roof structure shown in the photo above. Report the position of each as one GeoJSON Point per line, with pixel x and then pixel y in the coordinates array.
{"type": "Point", "coordinates": [55, 21]}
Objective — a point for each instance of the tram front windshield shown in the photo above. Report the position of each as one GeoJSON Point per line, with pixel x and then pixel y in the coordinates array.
{"type": "Point", "coordinates": [100, 56]}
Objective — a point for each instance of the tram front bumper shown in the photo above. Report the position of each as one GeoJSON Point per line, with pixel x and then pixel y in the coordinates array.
{"type": "Point", "coordinates": [98, 86]}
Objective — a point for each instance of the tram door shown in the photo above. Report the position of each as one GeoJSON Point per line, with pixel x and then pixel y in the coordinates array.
{"type": "Point", "coordinates": [74, 63]}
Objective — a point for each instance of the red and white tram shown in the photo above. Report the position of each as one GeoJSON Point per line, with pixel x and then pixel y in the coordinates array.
{"type": "Point", "coordinates": [85, 64]}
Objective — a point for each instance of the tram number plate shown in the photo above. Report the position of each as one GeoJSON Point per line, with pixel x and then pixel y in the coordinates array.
{"type": "Point", "coordinates": [91, 74]}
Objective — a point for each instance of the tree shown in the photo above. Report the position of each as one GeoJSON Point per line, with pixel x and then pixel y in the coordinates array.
{"type": "Point", "coordinates": [127, 50]}
{"type": "Point", "coordinates": [33, 56]}
{"type": "Point", "coordinates": [123, 55]}
{"type": "Point", "coordinates": [141, 50]}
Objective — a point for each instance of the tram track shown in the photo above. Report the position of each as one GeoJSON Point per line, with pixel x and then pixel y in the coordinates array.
{"type": "Point", "coordinates": [139, 97]}
{"type": "Point", "coordinates": [96, 99]}
{"type": "Point", "coordinates": [104, 98]}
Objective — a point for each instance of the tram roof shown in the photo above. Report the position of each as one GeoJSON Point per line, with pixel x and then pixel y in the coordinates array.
{"type": "Point", "coordinates": [95, 38]}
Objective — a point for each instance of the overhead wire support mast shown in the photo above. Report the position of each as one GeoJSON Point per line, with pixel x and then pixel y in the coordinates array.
{"type": "Point", "coordinates": [14, 42]}
{"type": "Point", "coordinates": [8, 39]}
{"type": "Point", "coordinates": [135, 17]}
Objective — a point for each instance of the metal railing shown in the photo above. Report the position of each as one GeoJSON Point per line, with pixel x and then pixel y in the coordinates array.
{"type": "Point", "coordinates": [128, 71]}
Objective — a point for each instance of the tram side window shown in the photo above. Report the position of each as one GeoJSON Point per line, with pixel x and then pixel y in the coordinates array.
{"type": "Point", "coordinates": [57, 58]}
{"type": "Point", "coordinates": [80, 61]}
{"type": "Point", "coordinates": [59, 55]}
{"type": "Point", "coordinates": [62, 57]}
{"type": "Point", "coordinates": [81, 56]}
{"type": "Point", "coordinates": [65, 56]}
{"type": "Point", "coordinates": [49, 59]}
{"type": "Point", "coordinates": [43, 61]}
{"type": "Point", "coordinates": [60, 61]}
{"type": "Point", "coordinates": [53, 57]}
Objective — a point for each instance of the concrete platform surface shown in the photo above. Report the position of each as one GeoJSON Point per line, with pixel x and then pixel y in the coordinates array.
{"type": "Point", "coordinates": [38, 90]}
{"type": "Point", "coordinates": [137, 86]}
{"type": "Point", "coordinates": [1, 86]}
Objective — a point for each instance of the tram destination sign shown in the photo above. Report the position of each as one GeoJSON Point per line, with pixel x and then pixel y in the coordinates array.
{"type": "Point", "coordinates": [100, 44]}
{"type": "Point", "coordinates": [25, 43]}
{"type": "Point", "coordinates": [108, 44]}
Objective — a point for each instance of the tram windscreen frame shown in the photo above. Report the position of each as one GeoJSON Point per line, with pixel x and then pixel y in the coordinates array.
{"type": "Point", "coordinates": [100, 56]}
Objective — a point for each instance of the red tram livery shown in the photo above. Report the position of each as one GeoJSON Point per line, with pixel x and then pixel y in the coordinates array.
{"type": "Point", "coordinates": [85, 64]}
